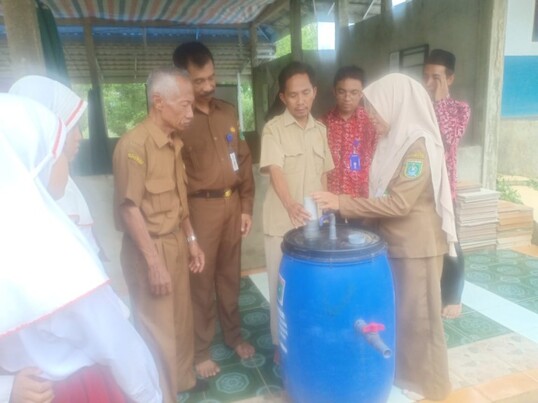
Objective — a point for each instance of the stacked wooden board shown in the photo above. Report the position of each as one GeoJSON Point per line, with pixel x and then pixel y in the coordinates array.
{"type": "Point", "coordinates": [476, 216]}
{"type": "Point", "coordinates": [515, 226]}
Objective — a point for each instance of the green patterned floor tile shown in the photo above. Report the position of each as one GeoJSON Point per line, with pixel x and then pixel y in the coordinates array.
{"type": "Point", "coordinates": [472, 327]}
{"type": "Point", "coordinates": [455, 338]}
{"type": "Point", "coordinates": [223, 355]}
{"type": "Point", "coordinates": [262, 341]}
{"type": "Point", "coordinates": [236, 383]}
{"type": "Point", "coordinates": [255, 319]}
{"type": "Point", "coordinates": [271, 375]}
{"type": "Point", "coordinates": [512, 291]}
{"type": "Point", "coordinates": [249, 300]}
{"type": "Point", "coordinates": [250, 297]}
{"type": "Point", "coordinates": [509, 274]}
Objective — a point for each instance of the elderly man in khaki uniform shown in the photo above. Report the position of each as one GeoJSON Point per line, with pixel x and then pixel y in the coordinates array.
{"type": "Point", "coordinates": [151, 209]}
{"type": "Point", "coordinates": [296, 155]}
{"type": "Point", "coordinates": [221, 196]}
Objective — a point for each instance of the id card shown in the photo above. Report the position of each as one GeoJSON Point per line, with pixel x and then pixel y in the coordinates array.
{"type": "Point", "coordinates": [354, 162]}
{"type": "Point", "coordinates": [235, 166]}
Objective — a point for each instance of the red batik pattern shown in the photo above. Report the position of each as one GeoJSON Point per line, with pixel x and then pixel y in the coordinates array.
{"type": "Point", "coordinates": [341, 136]}
{"type": "Point", "coordinates": [453, 117]}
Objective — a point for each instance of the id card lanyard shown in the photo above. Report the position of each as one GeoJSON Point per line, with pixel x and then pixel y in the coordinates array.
{"type": "Point", "coordinates": [233, 158]}
{"type": "Point", "coordinates": [354, 158]}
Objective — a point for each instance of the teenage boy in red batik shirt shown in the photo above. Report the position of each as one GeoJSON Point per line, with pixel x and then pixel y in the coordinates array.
{"type": "Point", "coordinates": [350, 134]}
{"type": "Point", "coordinates": [453, 117]}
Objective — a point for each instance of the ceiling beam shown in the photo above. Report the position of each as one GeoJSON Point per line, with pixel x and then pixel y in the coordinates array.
{"type": "Point", "coordinates": [270, 11]}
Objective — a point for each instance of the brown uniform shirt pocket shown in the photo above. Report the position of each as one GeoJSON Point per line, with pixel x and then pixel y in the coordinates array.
{"type": "Point", "coordinates": [160, 195]}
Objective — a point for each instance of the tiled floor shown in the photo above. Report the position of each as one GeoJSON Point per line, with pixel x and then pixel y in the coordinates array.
{"type": "Point", "coordinates": [502, 369]}
{"type": "Point", "coordinates": [510, 275]}
{"type": "Point", "coordinates": [242, 379]}
{"type": "Point", "coordinates": [493, 346]}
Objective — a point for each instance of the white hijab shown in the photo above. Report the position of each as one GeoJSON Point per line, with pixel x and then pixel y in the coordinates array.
{"type": "Point", "coordinates": [69, 107]}
{"type": "Point", "coordinates": [405, 105]}
{"type": "Point", "coordinates": [55, 96]}
{"type": "Point", "coordinates": [46, 263]}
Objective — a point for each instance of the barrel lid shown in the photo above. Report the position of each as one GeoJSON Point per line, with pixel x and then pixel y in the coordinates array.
{"type": "Point", "coordinates": [352, 244]}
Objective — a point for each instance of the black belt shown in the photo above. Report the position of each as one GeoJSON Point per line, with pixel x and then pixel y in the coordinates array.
{"type": "Point", "coordinates": [213, 193]}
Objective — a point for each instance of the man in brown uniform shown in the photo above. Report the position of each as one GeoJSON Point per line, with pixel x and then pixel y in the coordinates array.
{"type": "Point", "coordinates": [221, 193]}
{"type": "Point", "coordinates": [151, 209]}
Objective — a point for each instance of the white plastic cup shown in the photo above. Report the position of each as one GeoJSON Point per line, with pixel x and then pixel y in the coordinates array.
{"type": "Point", "coordinates": [311, 229]}
{"type": "Point", "coordinates": [311, 207]}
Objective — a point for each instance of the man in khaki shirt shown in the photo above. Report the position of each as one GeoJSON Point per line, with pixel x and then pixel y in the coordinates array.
{"type": "Point", "coordinates": [296, 155]}
{"type": "Point", "coordinates": [221, 195]}
{"type": "Point", "coordinates": [151, 209]}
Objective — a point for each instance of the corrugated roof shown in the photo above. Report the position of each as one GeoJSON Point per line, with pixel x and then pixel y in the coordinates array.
{"type": "Point", "coordinates": [189, 12]}
{"type": "Point", "coordinates": [133, 36]}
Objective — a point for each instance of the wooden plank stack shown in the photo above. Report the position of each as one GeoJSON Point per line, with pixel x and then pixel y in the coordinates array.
{"type": "Point", "coordinates": [515, 225]}
{"type": "Point", "coordinates": [476, 216]}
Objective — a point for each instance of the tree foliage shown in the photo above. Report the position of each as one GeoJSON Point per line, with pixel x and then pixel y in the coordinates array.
{"type": "Point", "coordinates": [309, 40]}
{"type": "Point", "coordinates": [247, 104]}
{"type": "Point", "coordinates": [124, 104]}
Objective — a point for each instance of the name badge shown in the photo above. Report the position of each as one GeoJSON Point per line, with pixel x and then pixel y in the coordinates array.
{"type": "Point", "coordinates": [354, 162]}
{"type": "Point", "coordinates": [233, 158]}
{"type": "Point", "coordinates": [235, 166]}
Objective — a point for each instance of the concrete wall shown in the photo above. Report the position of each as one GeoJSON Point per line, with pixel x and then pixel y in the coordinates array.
{"type": "Point", "coordinates": [453, 25]}
{"type": "Point", "coordinates": [518, 143]}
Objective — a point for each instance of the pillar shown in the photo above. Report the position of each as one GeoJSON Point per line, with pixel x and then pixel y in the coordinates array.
{"type": "Point", "coordinates": [487, 110]}
{"type": "Point", "coordinates": [341, 22]}
{"type": "Point", "coordinates": [23, 37]}
{"type": "Point", "coordinates": [295, 30]}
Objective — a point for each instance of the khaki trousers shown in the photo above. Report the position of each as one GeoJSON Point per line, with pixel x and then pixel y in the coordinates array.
{"type": "Point", "coordinates": [164, 322]}
{"type": "Point", "coordinates": [217, 225]}
{"type": "Point", "coordinates": [421, 352]}
{"type": "Point", "coordinates": [273, 257]}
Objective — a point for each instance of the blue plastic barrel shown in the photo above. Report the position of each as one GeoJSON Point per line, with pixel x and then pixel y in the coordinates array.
{"type": "Point", "coordinates": [336, 325]}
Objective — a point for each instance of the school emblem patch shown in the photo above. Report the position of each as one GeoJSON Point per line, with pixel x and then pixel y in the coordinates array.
{"type": "Point", "coordinates": [413, 169]}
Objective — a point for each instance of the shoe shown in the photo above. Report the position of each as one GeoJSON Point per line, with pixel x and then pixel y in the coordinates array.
{"type": "Point", "coordinates": [201, 385]}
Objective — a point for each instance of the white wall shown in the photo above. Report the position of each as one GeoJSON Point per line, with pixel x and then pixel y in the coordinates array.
{"type": "Point", "coordinates": [519, 26]}
{"type": "Point", "coordinates": [518, 137]}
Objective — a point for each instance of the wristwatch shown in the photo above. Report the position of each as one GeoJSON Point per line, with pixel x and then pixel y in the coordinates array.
{"type": "Point", "coordinates": [191, 238]}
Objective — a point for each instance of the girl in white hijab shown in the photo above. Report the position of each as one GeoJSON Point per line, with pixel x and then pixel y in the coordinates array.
{"type": "Point", "coordinates": [69, 107]}
{"type": "Point", "coordinates": [58, 312]}
{"type": "Point", "coordinates": [412, 204]}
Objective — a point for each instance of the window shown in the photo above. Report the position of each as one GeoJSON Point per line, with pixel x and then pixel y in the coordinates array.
{"type": "Point", "coordinates": [409, 61]}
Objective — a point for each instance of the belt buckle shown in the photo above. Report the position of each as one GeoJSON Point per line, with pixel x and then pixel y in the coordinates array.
{"type": "Point", "coordinates": [227, 193]}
